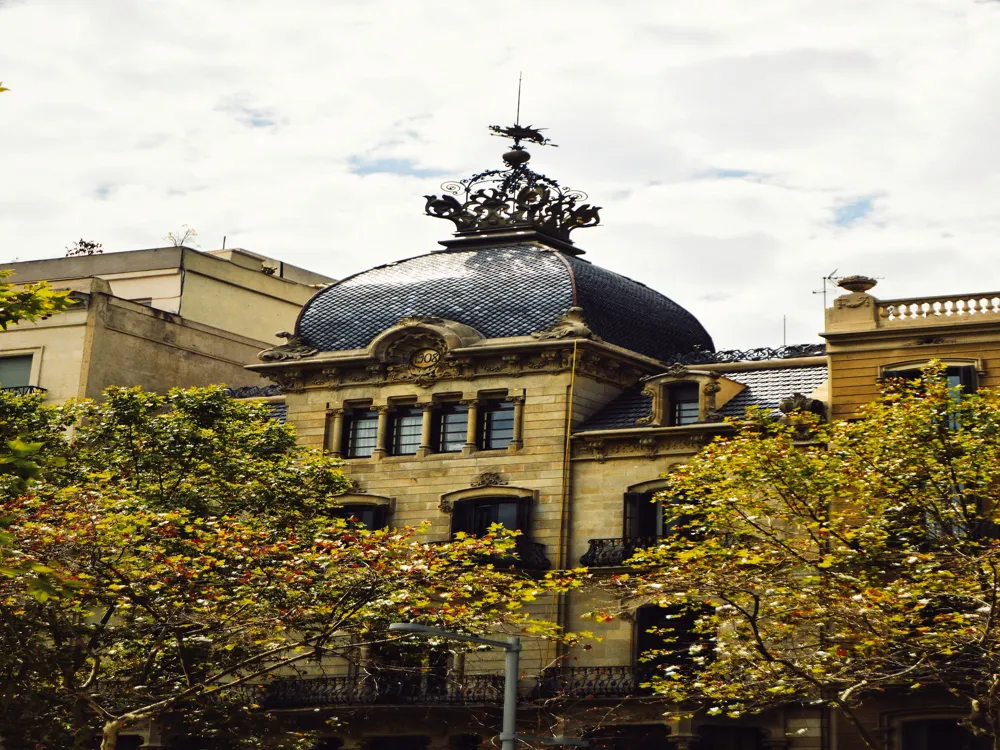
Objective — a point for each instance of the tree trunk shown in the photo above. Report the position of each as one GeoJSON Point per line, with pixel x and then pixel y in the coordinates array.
{"type": "Point", "coordinates": [109, 738]}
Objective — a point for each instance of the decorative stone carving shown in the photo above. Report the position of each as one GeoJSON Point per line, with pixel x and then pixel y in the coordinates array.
{"type": "Point", "coordinates": [854, 300]}
{"type": "Point", "coordinates": [569, 325]}
{"type": "Point", "coordinates": [801, 402]}
{"type": "Point", "coordinates": [649, 391]}
{"type": "Point", "coordinates": [293, 349]}
{"type": "Point", "coordinates": [598, 448]}
{"type": "Point", "coordinates": [649, 446]}
{"type": "Point", "coordinates": [290, 382]}
{"type": "Point", "coordinates": [489, 479]}
{"type": "Point", "coordinates": [676, 370]}
{"type": "Point", "coordinates": [858, 284]}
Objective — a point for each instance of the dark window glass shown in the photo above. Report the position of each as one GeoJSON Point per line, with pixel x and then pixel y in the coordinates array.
{"type": "Point", "coordinates": [406, 425]}
{"type": "Point", "coordinates": [960, 379]}
{"type": "Point", "coordinates": [496, 428]}
{"type": "Point", "coordinates": [451, 423]}
{"type": "Point", "coordinates": [683, 399]}
{"type": "Point", "coordinates": [730, 738]}
{"type": "Point", "coordinates": [935, 734]}
{"type": "Point", "coordinates": [362, 432]}
{"type": "Point", "coordinates": [672, 630]}
{"type": "Point", "coordinates": [476, 516]}
{"type": "Point", "coordinates": [369, 516]}
{"type": "Point", "coordinates": [15, 371]}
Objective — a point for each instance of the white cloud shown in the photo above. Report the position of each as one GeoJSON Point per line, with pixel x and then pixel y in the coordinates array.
{"type": "Point", "coordinates": [721, 137]}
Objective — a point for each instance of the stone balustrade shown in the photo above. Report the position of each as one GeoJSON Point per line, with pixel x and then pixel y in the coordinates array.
{"type": "Point", "coordinates": [948, 308]}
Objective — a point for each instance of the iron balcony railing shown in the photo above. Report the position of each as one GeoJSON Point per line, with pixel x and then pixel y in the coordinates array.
{"type": "Point", "coordinates": [23, 390]}
{"type": "Point", "coordinates": [526, 555]}
{"type": "Point", "coordinates": [593, 682]}
{"type": "Point", "coordinates": [608, 553]}
{"type": "Point", "coordinates": [373, 689]}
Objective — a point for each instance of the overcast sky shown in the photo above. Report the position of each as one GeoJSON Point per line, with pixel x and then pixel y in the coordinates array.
{"type": "Point", "coordinates": [740, 150]}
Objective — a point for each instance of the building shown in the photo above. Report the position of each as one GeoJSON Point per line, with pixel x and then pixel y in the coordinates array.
{"type": "Point", "coordinates": [154, 318]}
{"type": "Point", "coordinates": [504, 378]}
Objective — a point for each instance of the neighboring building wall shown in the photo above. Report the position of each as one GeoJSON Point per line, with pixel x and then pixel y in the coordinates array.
{"type": "Point", "coordinates": [104, 340]}
{"type": "Point", "coordinates": [227, 290]}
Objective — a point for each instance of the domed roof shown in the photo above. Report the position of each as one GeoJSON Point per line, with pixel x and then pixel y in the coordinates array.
{"type": "Point", "coordinates": [506, 290]}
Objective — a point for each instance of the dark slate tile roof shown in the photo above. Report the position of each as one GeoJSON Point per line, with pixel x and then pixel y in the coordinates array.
{"type": "Point", "coordinates": [511, 290]}
{"type": "Point", "coordinates": [279, 411]}
{"type": "Point", "coordinates": [764, 388]}
{"type": "Point", "coordinates": [623, 412]}
{"type": "Point", "coordinates": [767, 387]}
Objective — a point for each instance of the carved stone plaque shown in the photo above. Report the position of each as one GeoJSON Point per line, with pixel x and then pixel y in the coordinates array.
{"type": "Point", "coordinates": [425, 358]}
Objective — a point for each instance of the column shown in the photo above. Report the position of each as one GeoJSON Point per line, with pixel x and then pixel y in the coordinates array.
{"type": "Point", "coordinates": [336, 436]}
{"type": "Point", "coordinates": [382, 436]}
{"type": "Point", "coordinates": [426, 428]}
{"type": "Point", "coordinates": [518, 440]}
{"type": "Point", "coordinates": [470, 432]}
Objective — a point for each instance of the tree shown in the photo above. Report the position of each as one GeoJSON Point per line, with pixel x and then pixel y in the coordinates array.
{"type": "Point", "coordinates": [28, 302]}
{"type": "Point", "coordinates": [84, 247]}
{"type": "Point", "coordinates": [826, 564]}
{"type": "Point", "coordinates": [207, 559]}
{"type": "Point", "coordinates": [182, 237]}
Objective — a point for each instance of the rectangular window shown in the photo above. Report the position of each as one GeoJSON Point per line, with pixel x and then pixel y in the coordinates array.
{"type": "Point", "coordinates": [683, 404]}
{"type": "Point", "coordinates": [496, 425]}
{"type": "Point", "coordinates": [476, 516]}
{"type": "Point", "coordinates": [405, 424]}
{"type": "Point", "coordinates": [451, 423]}
{"type": "Point", "coordinates": [15, 372]}
{"type": "Point", "coordinates": [362, 432]}
{"type": "Point", "coordinates": [369, 516]}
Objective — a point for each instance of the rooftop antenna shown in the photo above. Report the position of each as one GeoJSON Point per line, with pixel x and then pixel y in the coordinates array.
{"type": "Point", "coordinates": [517, 117]}
{"type": "Point", "coordinates": [827, 280]}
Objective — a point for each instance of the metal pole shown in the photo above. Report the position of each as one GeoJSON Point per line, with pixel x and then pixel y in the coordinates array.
{"type": "Point", "coordinates": [508, 737]}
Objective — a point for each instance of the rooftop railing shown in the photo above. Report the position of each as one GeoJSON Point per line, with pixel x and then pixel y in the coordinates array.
{"type": "Point", "coordinates": [947, 308]}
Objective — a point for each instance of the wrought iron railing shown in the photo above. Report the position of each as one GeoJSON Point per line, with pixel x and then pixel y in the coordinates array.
{"type": "Point", "coordinates": [530, 556]}
{"type": "Point", "coordinates": [593, 682]}
{"type": "Point", "coordinates": [385, 688]}
{"type": "Point", "coordinates": [607, 553]}
{"type": "Point", "coordinates": [702, 357]}
{"type": "Point", "coordinates": [23, 390]}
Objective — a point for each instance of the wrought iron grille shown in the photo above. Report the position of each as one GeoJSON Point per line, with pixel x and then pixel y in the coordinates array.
{"type": "Point", "coordinates": [386, 687]}
{"type": "Point", "coordinates": [24, 390]}
{"type": "Point", "coordinates": [606, 553]}
{"type": "Point", "coordinates": [593, 682]}
{"type": "Point", "coordinates": [700, 357]}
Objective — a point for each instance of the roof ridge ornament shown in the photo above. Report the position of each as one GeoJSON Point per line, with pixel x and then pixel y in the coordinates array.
{"type": "Point", "coordinates": [513, 199]}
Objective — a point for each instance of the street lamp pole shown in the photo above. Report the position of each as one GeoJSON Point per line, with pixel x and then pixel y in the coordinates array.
{"type": "Point", "coordinates": [512, 649]}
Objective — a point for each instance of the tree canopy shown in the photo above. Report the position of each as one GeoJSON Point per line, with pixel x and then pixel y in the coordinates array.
{"type": "Point", "coordinates": [829, 563]}
{"type": "Point", "coordinates": [207, 558]}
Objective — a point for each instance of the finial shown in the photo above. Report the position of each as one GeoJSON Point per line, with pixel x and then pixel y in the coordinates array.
{"type": "Point", "coordinates": [516, 198]}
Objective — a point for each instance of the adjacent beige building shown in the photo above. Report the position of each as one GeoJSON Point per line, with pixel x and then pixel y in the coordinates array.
{"type": "Point", "coordinates": [154, 318]}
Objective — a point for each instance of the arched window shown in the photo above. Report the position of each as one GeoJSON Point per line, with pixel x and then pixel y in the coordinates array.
{"type": "Point", "coordinates": [473, 511]}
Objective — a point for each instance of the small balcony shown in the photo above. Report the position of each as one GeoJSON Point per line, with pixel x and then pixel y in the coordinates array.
{"type": "Point", "coordinates": [610, 553]}
{"type": "Point", "coordinates": [593, 682]}
{"type": "Point", "coordinates": [24, 390]}
{"type": "Point", "coordinates": [379, 689]}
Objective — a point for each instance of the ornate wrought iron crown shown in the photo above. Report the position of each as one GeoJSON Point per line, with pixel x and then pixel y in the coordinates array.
{"type": "Point", "coordinates": [501, 200]}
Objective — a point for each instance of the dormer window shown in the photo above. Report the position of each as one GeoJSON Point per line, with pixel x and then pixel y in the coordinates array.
{"type": "Point", "coordinates": [682, 404]}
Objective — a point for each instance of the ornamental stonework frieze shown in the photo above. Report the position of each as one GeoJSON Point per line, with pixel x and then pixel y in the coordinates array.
{"type": "Point", "coordinates": [423, 360]}
{"type": "Point", "coordinates": [646, 446]}
{"type": "Point", "coordinates": [489, 479]}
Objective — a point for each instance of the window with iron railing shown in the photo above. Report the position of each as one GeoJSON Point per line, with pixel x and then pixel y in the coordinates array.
{"type": "Point", "coordinates": [368, 516]}
{"type": "Point", "coordinates": [496, 424]}
{"type": "Point", "coordinates": [361, 431]}
{"type": "Point", "coordinates": [405, 427]}
{"type": "Point", "coordinates": [451, 426]}
{"type": "Point", "coordinates": [683, 404]}
{"type": "Point", "coordinates": [15, 372]}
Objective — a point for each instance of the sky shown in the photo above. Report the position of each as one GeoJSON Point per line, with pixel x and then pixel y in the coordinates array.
{"type": "Point", "coordinates": [740, 151]}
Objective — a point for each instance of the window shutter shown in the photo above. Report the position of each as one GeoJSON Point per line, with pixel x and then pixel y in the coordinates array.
{"type": "Point", "coordinates": [461, 517]}
{"type": "Point", "coordinates": [967, 377]}
{"type": "Point", "coordinates": [381, 517]}
{"type": "Point", "coordinates": [524, 516]}
{"type": "Point", "coordinates": [631, 523]}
